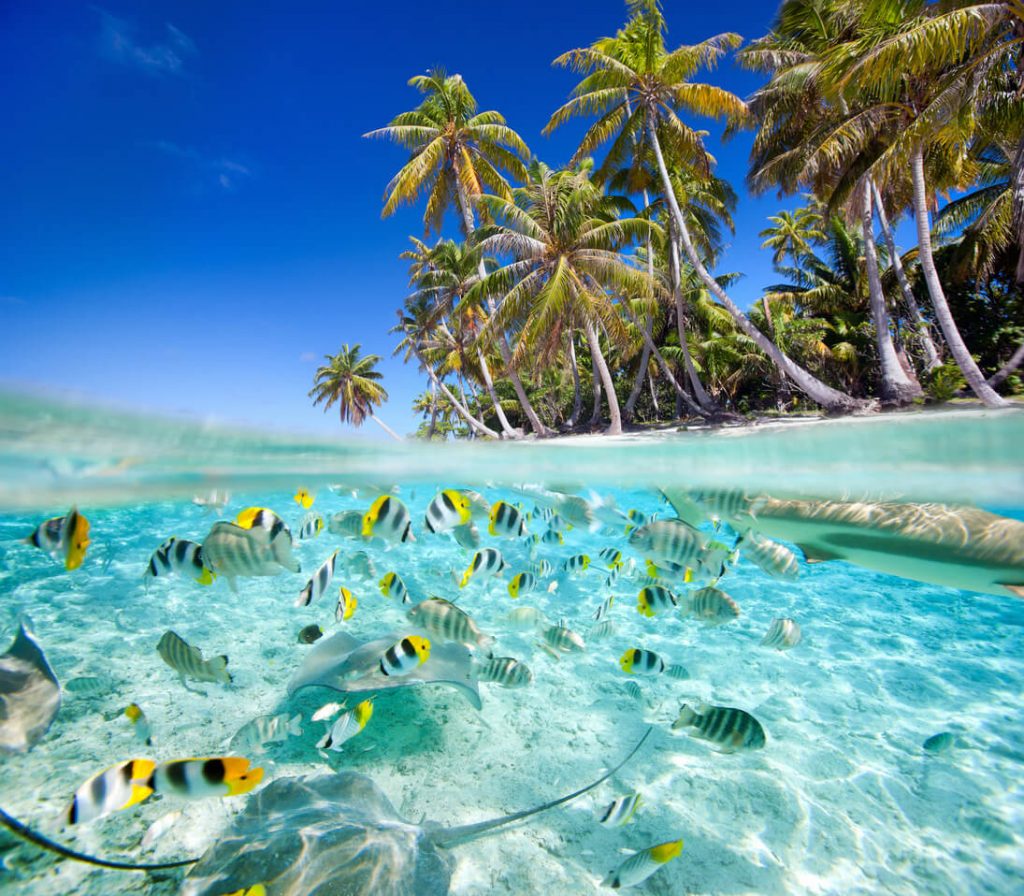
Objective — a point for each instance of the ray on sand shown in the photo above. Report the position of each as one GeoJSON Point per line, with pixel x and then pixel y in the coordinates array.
{"type": "Point", "coordinates": [29, 692]}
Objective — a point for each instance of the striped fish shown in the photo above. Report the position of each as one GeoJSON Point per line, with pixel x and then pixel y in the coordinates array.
{"type": "Point", "coordinates": [506, 671]}
{"type": "Point", "coordinates": [637, 661]}
{"type": "Point", "coordinates": [318, 585]}
{"type": "Point", "coordinates": [679, 673]}
{"type": "Point", "coordinates": [188, 661]}
{"type": "Point", "coordinates": [711, 606]}
{"type": "Point", "coordinates": [448, 510]}
{"type": "Point", "coordinates": [88, 686]}
{"type": "Point", "coordinates": [671, 540]}
{"type": "Point", "coordinates": [771, 557]}
{"type": "Point", "coordinates": [521, 584]}
{"type": "Point", "coordinates": [655, 599]}
{"type": "Point", "coordinates": [230, 551]}
{"type": "Point", "coordinates": [120, 787]}
{"type": "Point", "coordinates": [391, 585]}
{"type": "Point", "coordinates": [486, 563]}
{"type": "Point", "coordinates": [728, 728]}
{"type": "Point", "coordinates": [576, 563]}
{"type": "Point", "coordinates": [603, 629]}
{"type": "Point", "coordinates": [347, 523]}
{"type": "Point", "coordinates": [347, 604]}
{"type": "Point", "coordinates": [176, 555]}
{"type": "Point", "coordinates": [525, 617]}
{"type": "Point", "coordinates": [257, 734]}
{"type": "Point", "coordinates": [633, 690]}
{"type": "Point", "coordinates": [550, 536]}
{"type": "Point", "coordinates": [206, 776]}
{"type": "Point", "coordinates": [280, 536]}
{"type": "Point", "coordinates": [612, 578]}
{"type": "Point", "coordinates": [66, 536]}
{"type": "Point", "coordinates": [641, 865]}
{"type": "Point", "coordinates": [506, 521]}
{"type": "Point", "coordinates": [575, 511]}
{"type": "Point", "coordinates": [610, 557]}
{"type": "Point", "coordinates": [666, 569]}
{"type": "Point", "coordinates": [782, 634]}
{"type": "Point", "coordinates": [541, 568]}
{"type": "Point", "coordinates": [467, 536]}
{"type": "Point", "coordinates": [389, 519]}
{"type": "Point", "coordinates": [715, 559]}
{"type": "Point", "coordinates": [602, 610]}
{"type": "Point", "coordinates": [730, 505]}
{"type": "Point", "coordinates": [401, 658]}
{"type": "Point", "coordinates": [311, 526]}
{"type": "Point", "coordinates": [558, 637]}
{"type": "Point", "coordinates": [442, 619]}
{"type": "Point", "coordinates": [347, 726]}
{"type": "Point", "coordinates": [619, 811]}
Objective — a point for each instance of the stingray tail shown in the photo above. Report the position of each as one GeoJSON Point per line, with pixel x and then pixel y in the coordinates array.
{"type": "Point", "coordinates": [43, 842]}
{"type": "Point", "coordinates": [453, 836]}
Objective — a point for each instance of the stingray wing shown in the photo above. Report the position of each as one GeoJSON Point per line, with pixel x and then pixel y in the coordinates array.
{"type": "Point", "coordinates": [29, 693]}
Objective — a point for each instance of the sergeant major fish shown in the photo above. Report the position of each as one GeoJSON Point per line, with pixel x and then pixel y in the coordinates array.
{"type": "Point", "coordinates": [730, 729]}
{"type": "Point", "coordinates": [188, 661]}
{"type": "Point", "coordinates": [506, 671]}
{"type": "Point", "coordinates": [347, 523]}
{"type": "Point", "coordinates": [559, 638]}
{"type": "Point", "coordinates": [671, 540]}
{"type": "Point", "coordinates": [782, 634]}
{"type": "Point", "coordinates": [257, 734]}
{"type": "Point", "coordinates": [444, 620]}
{"type": "Point", "coordinates": [710, 606]}
{"type": "Point", "coordinates": [771, 557]}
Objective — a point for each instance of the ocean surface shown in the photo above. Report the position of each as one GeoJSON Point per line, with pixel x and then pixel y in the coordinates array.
{"type": "Point", "coordinates": [841, 798]}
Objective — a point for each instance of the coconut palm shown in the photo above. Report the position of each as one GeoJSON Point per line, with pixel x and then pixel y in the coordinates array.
{"type": "Point", "coordinates": [636, 87]}
{"type": "Point", "coordinates": [351, 382]}
{"type": "Point", "coordinates": [457, 152]}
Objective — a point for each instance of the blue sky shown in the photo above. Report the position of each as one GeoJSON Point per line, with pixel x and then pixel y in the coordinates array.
{"type": "Point", "coordinates": [191, 216]}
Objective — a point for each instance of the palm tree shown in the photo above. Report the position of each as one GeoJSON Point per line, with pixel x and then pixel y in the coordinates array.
{"type": "Point", "coordinates": [652, 85]}
{"type": "Point", "coordinates": [566, 266]}
{"type": "Point", "coordinates": [456, 153]}
{"type": "Point", "coordinates": [352, 383]}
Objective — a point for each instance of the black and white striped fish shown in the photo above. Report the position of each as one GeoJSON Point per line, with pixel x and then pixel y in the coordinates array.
{"type": "Point", "coordinates": [655, 599]}
{"type": "Point", "coordinates": [602, 610]}
{"type": "Point", "coordinates": [404, 656]}
{"type": "Point", "coordinates": [449, 510]}
{"type": "Point", "coordinates": [311, 526]}
{"type": "Point", "coordinates": [442, 619]}
{"type": "Point", "coordinates": [782, 634]}
{"type": "Point", "coordinates": [550, 536]}
{"type": "Point", "coordinates": [486, 563]}
{"type": "Point", "coordinates": [391, 585]}
{"type": "Point", "coordinates": [771, 557]}
{"type": "Point", "coordinates": [610, 557]}
{"type": "Point", "coordinates": [521, 584]}
{"type": "Point", "coordinates": [633, 690]}
{"type": "Point", "coordinates": [317, 586]}
{"type": "Point", "coordinates": [541, 568]}
{"type": "Point", "coordinates": [619, 811]}
{"type": "Point", "coordinates": [637, 661]}
{"type": "Point", "coordinates": [119, 787]}
{"type": "Point", "coordinates": [188, 661]}
{"type": "Point", "coordinates": [603, 629]}
{"type": "Point", "coordinates": [728, 728]}
{"type": "Point", "coordinates": [206, 776]}
{"type": "Point", "coordinates": [560, 638]}
{"type": "Point", "coordinates": [388, 518]}
{"type": "Point", "coordinates": [506, 671]}
{"type": "Point", "coordinates": [506, 521]}
{"type": "Point", "coordinates": [679, 673]}
{"type": "Point", "coordinates": [671, 540]}
{"type": "Point", "coordinates": [575, 564]}
{"type": "Point", "coordinates": [711, 606]}
{"type": "Point", "coordinates": [176, 555]}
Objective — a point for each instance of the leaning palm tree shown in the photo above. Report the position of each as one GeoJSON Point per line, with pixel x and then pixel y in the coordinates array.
{"type": "Point", "coordinates": [351, 382]}
{"type": "Point", "coordinates": [564, 242]}
{"type": "Point", "coordinates": [637, 93]}
{"type": "Point", "coordinates": [456, 152]}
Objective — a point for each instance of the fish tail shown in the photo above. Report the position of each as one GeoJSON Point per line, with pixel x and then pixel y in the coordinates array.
{"type": "Point", "coordinates": [206, 578]}
{"type": "Point", "coordinates": [465, 577]}
{"type": "Point", "coordinates": [686, 717]}
{"type": "Point", "coordinates": [220, 667]}
{"type": "Point", "coordinates": [295, 725]}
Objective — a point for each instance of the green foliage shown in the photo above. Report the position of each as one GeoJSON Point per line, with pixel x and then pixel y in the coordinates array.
{"type": "Point", "coordinates": [944, 382]}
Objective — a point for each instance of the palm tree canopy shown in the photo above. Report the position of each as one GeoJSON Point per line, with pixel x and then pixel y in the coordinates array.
{"type": "Point", "coordinates": [350, 381]}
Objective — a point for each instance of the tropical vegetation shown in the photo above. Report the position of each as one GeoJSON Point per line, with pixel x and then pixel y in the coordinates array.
{"type": "Point", "coordinates": [598, 294]}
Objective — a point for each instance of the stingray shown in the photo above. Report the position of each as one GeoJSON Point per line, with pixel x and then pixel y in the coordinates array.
{"type": "Point", "coordinates": [346, 664]}
{"type": "Point", "coordinates": [339, 834]}
{"type": "Point", "coordinates": [29, 693]}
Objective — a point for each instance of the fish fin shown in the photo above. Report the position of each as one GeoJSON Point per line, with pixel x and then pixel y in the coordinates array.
{"type": "Point", "coordinates": [1015, 589]}
{"type": "Point", "coordinates": [295, 725]}
{"type": "Point", "coordinates": [206, 578]}
{"type": "Point", "coordinates": [140, 793]}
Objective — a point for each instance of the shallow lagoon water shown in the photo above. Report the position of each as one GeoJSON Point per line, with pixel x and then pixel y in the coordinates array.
{"type": "Point", "coordinates": [842, 799]}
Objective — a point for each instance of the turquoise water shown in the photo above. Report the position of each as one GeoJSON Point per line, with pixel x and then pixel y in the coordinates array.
{"type": "Point", "coordinates": [842, 798]}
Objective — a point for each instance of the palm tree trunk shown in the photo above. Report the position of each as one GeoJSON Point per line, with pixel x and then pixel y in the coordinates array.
{"type": "Point", "coordinates": [1009, 367]}
{"type": "Point", "coordinates": [460, 408]}
{"type": "Point", "coordinates": [957, 348]}
{"type": "Point", "coordinates": [895, 386]}
{"type": "Point", "coordinates": [814, 388]}
{"type": "Point", "coordinates": [385, 427]}
{"type": "Point", "coordinates": [433, 411]}
{"type": "Point", "coordinates": [577, 395]}
{"type": "Point", "coordinates": [1017, 187]}
{"type": "Point", "coordinates": [638, 383]}
{"type": "Point", "coordinates": [503, 346]}
{"type": "Point", "coordinates": [601, 367]}
{"type": "Point", "coordinates": [703, 399]}
{"type": "Point", "coordinates": [920, 325]}
{"type": "Point", "coordinates": [595, 382]}
{"type": "Point", "coordinates": [485, 371]}
{"type": "Point", "coordinates": [654, 397]}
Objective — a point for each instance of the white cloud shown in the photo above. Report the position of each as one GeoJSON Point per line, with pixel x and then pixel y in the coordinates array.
{"type": "Point", "coordinates": [165, 56]}
{"type": "Point", "coordinates": [227, 173]}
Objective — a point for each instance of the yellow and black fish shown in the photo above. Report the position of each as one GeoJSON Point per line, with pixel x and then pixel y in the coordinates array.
{"type": "Point", "coordinates": [506, 521]}
{"type": "Point", "coordinates": [120, 787]}
{"type": "Point", "coordinates": [391, 585]}
{"type": "Point", "coordinates": [448, 510]}
{"type": "Point", "coordinates": [486, 563]}
{"type": "Point", "coordinates": [176, 555]}
{"type": "Point", "coordinates": [66, 536]}
{"type": "Point", "coordinates": [637, 661]}
{"type": "Point", "coordinates": [401, 658]}
{"type": "Point", "coordinates": [389, 519]}
{"type": "Point", "coordinates": [522, 583]}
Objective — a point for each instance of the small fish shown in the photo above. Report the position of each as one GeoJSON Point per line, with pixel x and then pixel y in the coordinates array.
{"type": "Point", "coordinates": [655, 599]}
{"type": "Point", "coordinates": [257, 734]}
{"type": "Point", "coordinates": [610, 557]}
{"type": "Point", "coordinates": [88, 686]}
{"type": "Point", "coordinates": [304, 499]}
{"type": "Point", "coordinates": [347, 604]}
{"type": "Point", "coordinates": [679, 673]}
{"type": "Point", "coordinates": [310, 634]}
{"type": "Point", "coordinates": [206, 776]}
{"type": "Point", "coordinates": [575, 511]}
{"type": "Point", "coordinates": [782, 634]}
{"type": "Point", "coordinates": [319, 583]}
{"type": "Point", "coordinates": [66, 536]}
{"type": "Point", "coordinates": [139, 721]}
{"type": "Point", "coordinates": [558, 637]}
{"type": "Point", "coordinates": [541, 568]}
{"type": "Point", "coordinates": [401, 658]}
{"type": "Point", "coordinates": [486, 563]}
{"type": "Point", "coordinates": [160, 827]}
{"type": "Point", "coordinates": [521, 584]}
{"type": "Point", "coordinates": [729, 728]}
{"type": "Point", "coordinates": [611, 579]}
{"type": "Point", "coordinates": [633, 690]}
{"type": "Point", "coordinates": [506, 671]}
{"type": "Point", "coordinates": [389, 519]}
{"type": "Point", "coordinates": [259, 544]}
{"type": "Point", "coordinates": [641, 865]}
{"type": "Point", "coordinates": [506, 521]}
{"type": "Point", "coordinates": [637, 661]}
{"type": "Point", "coordinates": [448, 510]}
{"type": "Point", "coordinates": [213, 501]}
{"type": "Point", "coordinates": [944, 742]}
{"type": "Point", "coordinates": [467, 536]}
{"type": "Point", "coordinates": [327, 711]}
{"type": "Point", "coordinates": [605, 607]}
{"type": "Point", "coordinates": [576, 563]}
{"type": "Point", "coordinates": [550, 536]}
{"type": "Point", "coordinates": [348, 726]}
{"type": "Point", "coordinates": [771, 557]}
{"type": "Point", "coordinates": [525, 617]}
{"type": "Point", "coordinates": [393, 586]}
{"type": "Point", "coordinates": [671, 540]}
{"type": "Point", "coordinates": [711, 606]}
{"type": "Point", "coordinates": [445, 621]}
{"type": "Point", "coordinates": [360, 564]}
{"type": "Point", "coordinates": [619, 811]}
{"type": "Point", "coordinates": [176, 555]}
{"type": "Point", "coordinates": [347, 523]}
{"type": "Point", "coordinates": [311, 526]}
{"type": "Point", "coordinates": [119, 787]}
{"type": "Point", "coordinates": [602, 630]}
{"type": "Point", "coordinates": [188, 661]}
{"type": "Point", "coordinates": [666, 569]}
